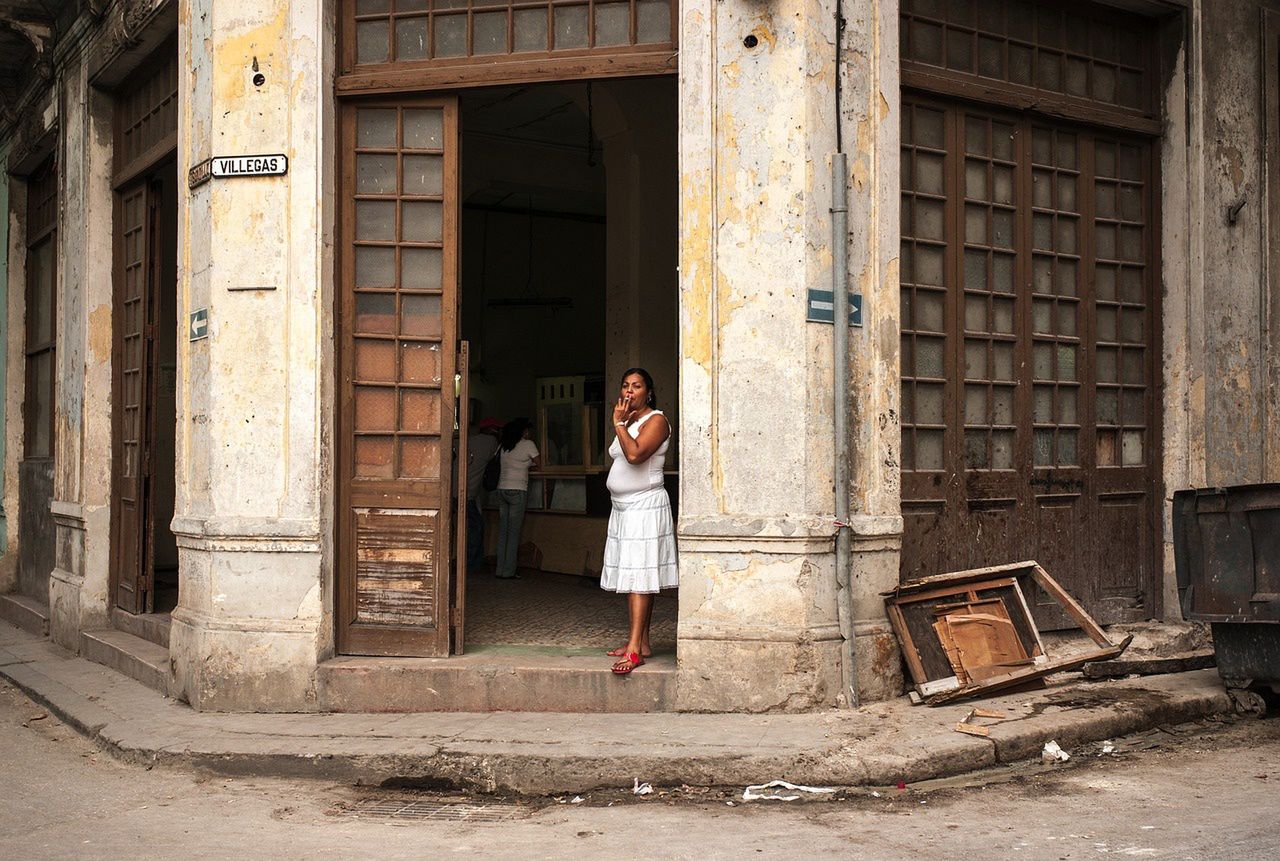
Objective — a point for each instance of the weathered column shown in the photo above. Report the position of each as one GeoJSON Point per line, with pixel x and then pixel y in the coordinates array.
{"type": "Point", "coordinates": [253, 621]}
{"type": "Point", "coordinates": [758, 620]}
{"type": "Point", "coordinates": [81, 488]}
{"type": "Point", "coordinates": [870, 106]}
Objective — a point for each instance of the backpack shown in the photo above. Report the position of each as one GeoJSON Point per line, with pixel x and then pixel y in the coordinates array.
{"type": "Point", "coordinates": [492, 471]}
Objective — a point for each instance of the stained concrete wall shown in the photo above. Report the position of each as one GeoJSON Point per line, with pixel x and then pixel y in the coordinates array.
{"type": "Point", "coordinates": [4, 339]}
{"type": "Point", "coordinates": [253, 513]}
{"type": "Point", "coordinates": [1220, 421]}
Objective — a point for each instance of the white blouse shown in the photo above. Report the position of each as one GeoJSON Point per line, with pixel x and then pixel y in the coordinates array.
{"type": "Point", "coordinates": [626, 478]}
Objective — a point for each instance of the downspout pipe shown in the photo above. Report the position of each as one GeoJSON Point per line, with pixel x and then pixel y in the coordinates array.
{"type": "Point", "coordinates": [840, 379]}
{"type": "Point", "coordinates": [840, 375]}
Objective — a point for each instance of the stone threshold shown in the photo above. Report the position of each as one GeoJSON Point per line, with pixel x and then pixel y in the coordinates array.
{"type": "Point", "coordinates": [497, 678]}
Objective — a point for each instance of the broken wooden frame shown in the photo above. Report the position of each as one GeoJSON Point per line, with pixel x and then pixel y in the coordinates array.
{"type": "Point", "coordinates": [916, 607]}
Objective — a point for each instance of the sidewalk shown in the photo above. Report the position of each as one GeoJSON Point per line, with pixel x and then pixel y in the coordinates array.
{"type": "Point", "coordinates": [543, 753]}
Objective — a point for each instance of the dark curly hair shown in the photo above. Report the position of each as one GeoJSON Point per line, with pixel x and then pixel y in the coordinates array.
{"type": "Point", "coordinates": [652, 403]}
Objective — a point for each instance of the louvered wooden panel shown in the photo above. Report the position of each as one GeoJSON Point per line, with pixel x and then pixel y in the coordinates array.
{"type": "Point", "coordinates": [396, 567]}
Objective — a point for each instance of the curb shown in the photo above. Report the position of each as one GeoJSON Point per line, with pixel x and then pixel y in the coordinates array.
{"type": "Point", "coordinates": [545, 754]}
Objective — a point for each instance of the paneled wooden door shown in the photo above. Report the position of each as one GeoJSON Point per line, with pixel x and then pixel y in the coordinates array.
{"type": "Point", "coordinates": [1029, 351]}
{"type": "Point", "coordinates": [139, 260]}
{"type": "Point", "coordinates": [398, 346]}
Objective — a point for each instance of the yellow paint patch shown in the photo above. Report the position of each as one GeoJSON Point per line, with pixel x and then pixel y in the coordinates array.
{"type": "Point", "coordinates": [231, 57]}
{"type": "Point", "coordinates": [764, 32]}
{"type": "Point", "coordinates": [100, 333]}
{"type": "Point", "coordinates": [861, 173]}
{"type": "Point", "coordinates": [696, 262]}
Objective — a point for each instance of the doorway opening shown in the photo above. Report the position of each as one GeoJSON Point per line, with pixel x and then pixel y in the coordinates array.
{"type": "Point", "coordinates": [144, 552]}
{"type": "Point", "coordinates": [568, 221]}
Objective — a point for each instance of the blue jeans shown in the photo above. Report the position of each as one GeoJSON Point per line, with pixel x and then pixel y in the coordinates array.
{"type": "Point", "coordinates": [511, 505]}
{"type": "Point", "coordinates": [475, 535]}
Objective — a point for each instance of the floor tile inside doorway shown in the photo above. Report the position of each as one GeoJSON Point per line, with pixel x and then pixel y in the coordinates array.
{"type": "Point", "coordinates": [561, 610]}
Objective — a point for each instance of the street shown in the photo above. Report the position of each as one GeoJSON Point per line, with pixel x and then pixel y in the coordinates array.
{"type": "Point", "coordinates": [1209, 790]}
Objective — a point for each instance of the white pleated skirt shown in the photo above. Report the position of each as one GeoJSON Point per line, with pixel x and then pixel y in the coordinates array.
{"type": "Point", "coordinates": [640, 550]}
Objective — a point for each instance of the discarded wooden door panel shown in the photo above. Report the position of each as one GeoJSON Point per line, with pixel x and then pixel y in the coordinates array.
{"type": "Point", "coordinates": [971, 632]}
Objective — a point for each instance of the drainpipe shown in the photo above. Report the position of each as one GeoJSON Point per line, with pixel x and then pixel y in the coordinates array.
{"type": "Point", "coordinates": [840, 375]}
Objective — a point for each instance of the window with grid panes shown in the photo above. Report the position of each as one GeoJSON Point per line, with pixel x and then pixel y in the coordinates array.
{"type": "Point", "coordinates": [41, 298]}
{"type": "Point", "coordinates": [447, 31]}
{"type": "Point", "coordinates": [1079, 232]}
{"type": "Point", "coordinates": [396, 325]}
{"type": "Point", "coordinates": [147, 115]}
{"type": "Point", "coordinates": [1077, 51]}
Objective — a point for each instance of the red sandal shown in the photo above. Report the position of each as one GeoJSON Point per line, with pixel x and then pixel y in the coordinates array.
{"type": "Point", "coordinates": [628, 663]}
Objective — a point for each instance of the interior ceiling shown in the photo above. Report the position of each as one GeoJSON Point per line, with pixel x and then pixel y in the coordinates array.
{"type": "Point", "coordinates": [547, 115]}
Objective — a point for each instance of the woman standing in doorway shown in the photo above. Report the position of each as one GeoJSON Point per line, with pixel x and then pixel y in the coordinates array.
{"type": "Point", "coordinates": [516, 456]}
{"type": "Point", "coordinates": [640, 551]}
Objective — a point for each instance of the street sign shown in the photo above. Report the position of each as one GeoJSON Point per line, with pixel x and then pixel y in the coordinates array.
{"type": "Point", "coordinates": [821, 307]}
{"type": "Point", "coordinates": [227, 166]}
{"type": "Point", "coordinates": [198, 324]}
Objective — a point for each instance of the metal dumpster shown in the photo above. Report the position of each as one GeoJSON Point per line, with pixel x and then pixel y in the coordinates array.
{"type": "Point", "coordinates": [1227, 552]}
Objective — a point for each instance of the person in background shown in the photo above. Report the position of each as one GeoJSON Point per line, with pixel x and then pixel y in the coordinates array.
{"type": "Point", "coordinates": [482, 447]}
{"type": "Point", "coordinates": [518, 454]}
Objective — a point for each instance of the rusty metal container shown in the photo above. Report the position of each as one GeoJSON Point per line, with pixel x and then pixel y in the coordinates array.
{"type": "Point", "coordinates": [1227, 552]}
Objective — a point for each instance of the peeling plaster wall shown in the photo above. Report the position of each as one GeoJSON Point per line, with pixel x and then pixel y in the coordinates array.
{"type": "Point", "coordinates": [81, 513]}
{"type": "Point", "coordinates": [254, 615]}
{"type": "Point", "coordinates": [14, 375]}
{"type": "Point", "coordinates": [1235, 286]}
{"type": "Point", "coordinates": [758, 617]}
{"type": "Point", "coordinates": [5, 585]}
{"type": "Point", "coordinates": [1217, 291]}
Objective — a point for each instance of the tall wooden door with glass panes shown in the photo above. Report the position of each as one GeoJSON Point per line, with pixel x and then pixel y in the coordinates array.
{"type": "Point", "coordinates": [1029, 298]}
{"type": "Point", "coordinates": [397, 280]}
{"type": "Point", "coordinates": [399, 343]}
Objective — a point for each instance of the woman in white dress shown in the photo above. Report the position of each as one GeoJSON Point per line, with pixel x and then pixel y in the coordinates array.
{"type": "Point", "coordinates": [640, 551]}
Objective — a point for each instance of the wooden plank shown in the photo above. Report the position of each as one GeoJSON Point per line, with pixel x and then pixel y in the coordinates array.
{"type": "Point", "coordinates": [1073, 608]}
{"type": "Point", "coordinates": [489, 73]}
{"type": "Point", "coordinates": [909, 650]}
{"type": "Point", "coordinates": [949, 82]}
{"type": "Point", "coordinates": [1019, 677]}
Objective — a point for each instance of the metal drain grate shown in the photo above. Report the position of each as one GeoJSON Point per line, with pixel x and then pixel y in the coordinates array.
{"type": "Point", "coordinates": [434, 810]}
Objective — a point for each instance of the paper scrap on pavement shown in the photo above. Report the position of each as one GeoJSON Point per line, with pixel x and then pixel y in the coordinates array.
{"type": "Point", "coordinates": [1053, 753]}
{"type": "Point", "coordinates": [782, 790]}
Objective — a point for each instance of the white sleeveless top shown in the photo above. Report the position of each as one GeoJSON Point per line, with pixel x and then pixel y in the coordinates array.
{"type": "Point", "coordinates": [628, 478]}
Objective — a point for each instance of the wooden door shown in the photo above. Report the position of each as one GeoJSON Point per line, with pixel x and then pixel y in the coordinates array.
{"type": "Point", "coordinates": [1028, 352]}
{"type": "Point", "coordinates": [398, 341]}
{"type": "Point", "coordinates": [139, 259]}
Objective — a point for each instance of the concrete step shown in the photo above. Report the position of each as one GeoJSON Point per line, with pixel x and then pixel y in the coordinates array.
{"type": "Point", "coordinates": [25, 613]}
{"type": "Point", "coordinates": [152, 627]}
{"type": "Point", "coordinates": [132, 656]}
{"type": "Point", "coordinates": [497, 678]}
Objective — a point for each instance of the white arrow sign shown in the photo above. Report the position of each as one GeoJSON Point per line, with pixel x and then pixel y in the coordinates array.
{"type": "Point", "coordinates": [198, 324]}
